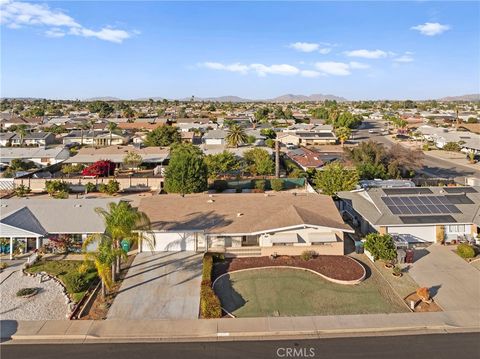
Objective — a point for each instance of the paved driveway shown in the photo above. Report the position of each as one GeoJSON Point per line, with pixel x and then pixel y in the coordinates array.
{"type": "Point", "coordinates": [163, 285]}
{"type": "Point", "coordinates": [456, 284]}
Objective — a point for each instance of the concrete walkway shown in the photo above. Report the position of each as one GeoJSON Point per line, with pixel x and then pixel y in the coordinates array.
{"type": "Point", "coordinates": [454, 283]}
{"type": "Point", "coordinates": [162, 285]}
{"type": "Point", "coordinates": [236, 329]}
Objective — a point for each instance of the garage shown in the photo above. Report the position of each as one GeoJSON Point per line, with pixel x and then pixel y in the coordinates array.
{"type": "Point", "coordinates": [171, 242]}
{"type": "Point", "coordinates": [424, 233]}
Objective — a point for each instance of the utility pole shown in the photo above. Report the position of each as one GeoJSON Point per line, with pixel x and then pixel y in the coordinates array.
{"type": "Point", "coordinates": [277, 159]}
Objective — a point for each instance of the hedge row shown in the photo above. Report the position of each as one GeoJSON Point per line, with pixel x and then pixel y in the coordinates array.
{"type": "Point", "coordinates": [210, 306]}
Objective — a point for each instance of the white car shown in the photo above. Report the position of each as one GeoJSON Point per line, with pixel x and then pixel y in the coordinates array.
{"type": "Point", "coordinates": [372, 131]}
{"type": "Point", "coordinates": [291, 146]}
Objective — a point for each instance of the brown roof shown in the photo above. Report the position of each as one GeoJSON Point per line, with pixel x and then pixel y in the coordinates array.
{"type": "Point", "coordinates": [306, 158]}
{"type": "Point", "coordinates": [472, 127]}
{"type": "Point", "coordinates": [240, 213]}
{"type": "Point", "coordinates": [139, 125]}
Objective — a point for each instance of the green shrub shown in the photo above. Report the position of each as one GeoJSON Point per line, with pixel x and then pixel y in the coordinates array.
{"type": "Point", "coordinates": [207, 267]}
{"type": "Point", "coordinates": [276, 184]}
{"type": "Point", "coordinates": [210, 306]}
{"type": "Point", "coordinates": [75, 282]}
{"type": "Point", "coordinates": [259, 184]}
{"type": "Point", "coordinates": [60, 195]}
{"type": "Point", "coordinates": [465, 250]}
{"type": "Point", "coordinates": [110, 188]}
{"type": "Point", "coordinates": [307, 255]}
{"type": "Point", "coordinates": [90, 187]}
{"type": "Point", "coordinates": [381, 246]}
{"type": "Point", "coordinates": [26, 291]}
{"type": "Point", "coordinates": [3, 265]}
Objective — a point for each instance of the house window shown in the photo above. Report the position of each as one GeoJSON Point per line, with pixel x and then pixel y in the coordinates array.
{"type": "Point", "coordinates": [457, 228]}
{"type": "Point", "coordinates": [282, 244]}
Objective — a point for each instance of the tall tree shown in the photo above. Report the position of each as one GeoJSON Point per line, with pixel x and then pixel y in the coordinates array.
{"type": "Point", "coordinates": [111, 126]}
{"type": "Point", "coordinates": [259, 162]}
{"type": "Point", "coordinates": [221, 163]}
{"type": "Point", "coordinates": [186, 171]}
{"type": "Point", "coordinates": [343, 134]}
{"type": "Point", "coordinates": [235, 136]}
{"type": "Point", "coordinates": [334, 178]}
{"type": "Point", "coordinates": [163, 136]}
{"type": "Point", "coordinates": [132, 159]}
{"type": "Point", "coordinates": [21, 131]}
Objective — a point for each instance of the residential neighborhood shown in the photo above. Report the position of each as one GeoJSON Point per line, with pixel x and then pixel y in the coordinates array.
{"type": "Point", "coordinates": [239, 179]}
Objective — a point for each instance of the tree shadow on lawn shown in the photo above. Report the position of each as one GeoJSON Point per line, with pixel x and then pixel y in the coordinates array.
{"type": "Point", "coordinates": [230, 299]}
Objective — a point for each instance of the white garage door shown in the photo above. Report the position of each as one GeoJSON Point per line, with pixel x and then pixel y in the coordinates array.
{"type": "Point", "coordinates": [171, 242]}
{"type": "Point", "coordinates": [425, 233]}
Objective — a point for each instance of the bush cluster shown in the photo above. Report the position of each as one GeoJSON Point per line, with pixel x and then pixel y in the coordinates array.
{"type": "Point", "coordinates": [75, 282]}
{"type": "Point", "coordinates": [276, 184]}
{"type": "Point", "coordinates": [465, 250]}
{"type": "Point", "coordinates": [307, 255]}
{"type": "Point", "coordinates": [259, 184]}
{"type": "Point", "coordinates": [209, 303]}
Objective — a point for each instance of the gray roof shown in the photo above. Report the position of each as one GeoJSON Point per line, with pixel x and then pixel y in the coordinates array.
{"type": "Point", "coordinates": [6, 135]}
{"type": "Point", "coordinates": [34, 136]}
{"type": "Point", "coordinates": [9, 153]}
{"type": "Point", "coordinates": [214, 134]}
{"type": "Point", "coordinates": [369, 203]}
{"type": "Point", "coordinates": [54, 215]}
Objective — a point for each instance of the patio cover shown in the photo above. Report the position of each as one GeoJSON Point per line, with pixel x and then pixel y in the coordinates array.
{"type": "Point", "coordinates": [284, 237]}
{"type": "Point", "coordinates": [317, 237]}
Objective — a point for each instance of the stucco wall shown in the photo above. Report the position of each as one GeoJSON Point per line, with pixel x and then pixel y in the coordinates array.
{"type": "Point", "coordinates": [326, 249]}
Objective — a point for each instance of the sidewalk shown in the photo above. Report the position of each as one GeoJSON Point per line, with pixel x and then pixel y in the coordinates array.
{"type": "Point", "coordinates": [455, 158]}
{"type": "Point", "coordinates": [235, 329]}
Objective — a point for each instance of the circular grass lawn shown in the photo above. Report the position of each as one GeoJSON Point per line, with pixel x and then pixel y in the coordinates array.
{"type": "Point", "coordinates": [293, 292]}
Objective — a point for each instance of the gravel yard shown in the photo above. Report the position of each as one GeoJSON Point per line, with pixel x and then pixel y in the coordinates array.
{"type": "Point", "coordinates": [48, 304]}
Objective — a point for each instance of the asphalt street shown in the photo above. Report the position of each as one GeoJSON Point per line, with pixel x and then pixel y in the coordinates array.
{"type": "Point", "coordinates": [438, 346]}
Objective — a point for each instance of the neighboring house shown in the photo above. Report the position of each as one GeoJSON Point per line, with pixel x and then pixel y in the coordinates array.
{"type": "Point", "coordinates": [391, 183]}
{"type": "Point", "coordinates": [202, 127]}
{"type": "Point", "coordinates": [190, 137]}
{"type": "Point", "coordinates": [40, 139]}
{"type": "Point", "coordinates": [245, 224]}
{"type": "Point", "coordinates": [421, 214]}
{"type": "Point", "coordinates": [259, 138]}
{"type": "Point", "coordinates": [95, 138]}
{"type": "Point", "coordinates": [9, 121]}
{"type": "Point", "coordinates": [308, 138]}
{"type": "Point", "coordinates": [6, 138]}
{"type": "Point", "coordinates": [215, 137]}
{"type": "Point", "coordinates": [42, 157]}
{"type": "Point", "coordinates": [36, 221]}
{"type": "Point", "coordinates": [116, 154]}
{"type": "Point", "coordinates": [305, 158]}
{"type": "Point", "coordinates": [440, 136]}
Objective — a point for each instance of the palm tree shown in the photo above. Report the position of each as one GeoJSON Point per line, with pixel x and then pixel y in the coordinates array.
{"type": "Point", "coordinates": [122, 221]}
{"type": "Point", "coordinates": [236, 135]}
{"type": "Point", "coordinates": [111, 126]}
{"type": "Point", "coordinates": [103, 258]}
{"type": "Point", "coordinates": [83, 127]}
{"type": "Point", "coordinates": [21, 132]}
{"type": "Point", "coordinates": [343, 134]}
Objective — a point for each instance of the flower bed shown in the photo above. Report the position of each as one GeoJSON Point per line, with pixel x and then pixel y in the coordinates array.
{"type": "Point", "coordinates": [338, 268]}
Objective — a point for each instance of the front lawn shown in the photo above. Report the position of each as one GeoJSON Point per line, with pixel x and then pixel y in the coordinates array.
{"type": "Point", "coordinates": [63, 269]}
{"type": "Point", "coordinates": [292, 292]}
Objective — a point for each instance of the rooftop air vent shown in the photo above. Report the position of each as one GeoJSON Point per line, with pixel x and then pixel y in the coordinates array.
{"type": "Point", "coordinates": [239, 214]}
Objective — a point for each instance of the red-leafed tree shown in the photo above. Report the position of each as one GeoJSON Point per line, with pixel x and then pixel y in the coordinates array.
{"type": "Point", "coordinates": [99, 169]}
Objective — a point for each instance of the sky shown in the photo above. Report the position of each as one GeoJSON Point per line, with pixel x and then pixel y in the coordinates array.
{"type": "Point", "coordinates": [256, 50]}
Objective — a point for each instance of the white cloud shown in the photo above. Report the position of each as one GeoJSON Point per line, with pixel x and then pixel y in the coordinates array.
{"type": "Point", "coordinates": [283, 69]}
{"type": "Point", "coordinates": [367, 54]}
{"type": "Point", "coordinates": [333, 68]}
{"type": "Point", "coordinates": [310, 73]}
{"type": "Point", "coordinates": [358, 65]}
{"type": "Point", "coordinates": [310, 47]}
{"type": "Point", "coordinates": [431, 28]}
{"type": "Point", "coordinates": [243, 69]}
{"type": "Point", "coordinates": [404, 58]}
{"type": "Point", "coordinates": [16, 14]}
{"type": "Point", "coordinates": [259, 69]}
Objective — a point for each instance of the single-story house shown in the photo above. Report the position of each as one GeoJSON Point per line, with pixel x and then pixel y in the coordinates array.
{"type": "Point", "coordinates": [37, 221]}
{"type": "Point", "coordinates": [305, 158]}
{"type": "Point", "coordinates": [245, 224]}
{"type": "Point", "coordinates": [215, 137]}
{"type": "Point", "coordinates": [468, 141]}
{"type": "Point", "coordinates": [40, 139]}
{"type": "Point", "coordinates": [421, 214]}
{"type": "Point", "coordinates": [95, 138]}
{"type": "Point", "coordinates": [307, 138]}
{"type": "Point", "coordinates": [42, 157]}
{"type": "Point", "coordinates": [116, 154]}
{"type": "Point", "coordinates": [6, 138]}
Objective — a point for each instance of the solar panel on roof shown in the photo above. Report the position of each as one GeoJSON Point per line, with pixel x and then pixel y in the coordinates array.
{"type": "Point", "coordinates": [394, 209]}
{"type": "Point", "coordinates": [427, 219]}
{"type": "Point", "coordinates": [404, 210]}
{"type": "Point", "coordinates": [460, 190]}
{"type": "Point", "coordinates": [453, 209]}
{"type": "Point", "coordinates": [409, 190]}
{"type": "Point", "coordinates": [459, 199]}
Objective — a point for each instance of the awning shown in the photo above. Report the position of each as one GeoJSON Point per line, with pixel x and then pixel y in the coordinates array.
{"type": "Point", "coordinates": [318, 237]}
{"type": "Point", "coordinates": [284, 237]}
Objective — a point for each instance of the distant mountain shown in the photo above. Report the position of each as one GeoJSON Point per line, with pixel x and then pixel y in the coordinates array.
{"type": "Point", "coordinates": [303, 98]}
{"type": "Point", "coordinates": [220, 99]}
{"type": "Point", "coordinates": [472, 97]}
{"type": "Point", "coordinates": [105, 98]}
